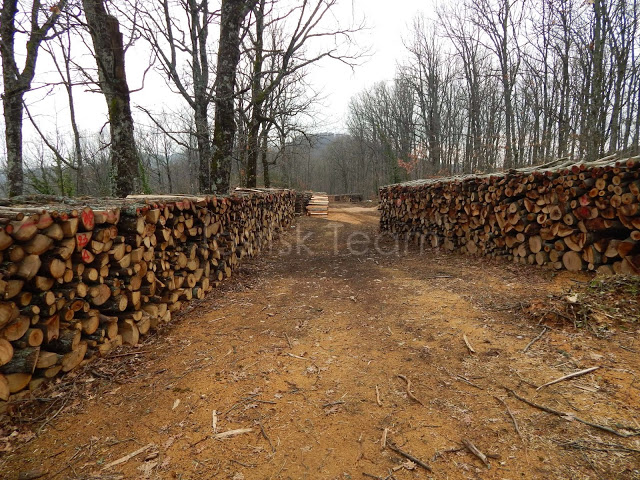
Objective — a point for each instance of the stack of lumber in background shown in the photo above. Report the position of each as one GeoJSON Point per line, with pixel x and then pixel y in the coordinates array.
{"type": "Point", "coordinates": [583, 216]}
{"type": "Point", "coordinates": [302, 200]}
{"type": "Point", "coordinates": [318, 205]}
{"type": "Point", "coordinates": [78, 279]}
{"type": "Point", "coordinates": [346, 197]}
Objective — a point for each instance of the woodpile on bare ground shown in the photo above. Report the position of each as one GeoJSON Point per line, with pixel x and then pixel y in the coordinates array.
{"type": "Point", "coordinates": [318, 205]}
{"type": "Point", "coordinates": [78, 278]}
{"type": "Point", "coordinates": [575, 216]}
{"type": "Point", "coordinates": [302, 200]}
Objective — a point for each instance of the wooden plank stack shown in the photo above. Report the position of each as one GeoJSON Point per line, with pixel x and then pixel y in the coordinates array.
{"type": "Point", "coordinates": [302, 200]}
{"type": "Point", "coordinates": [78, 278]}
{"type": "Point", "coordinates": [318, 205]}
{"type": "Point", "coordinates": [574, 216]}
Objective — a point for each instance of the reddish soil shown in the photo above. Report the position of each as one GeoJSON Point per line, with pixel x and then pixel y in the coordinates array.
{"type": "Point", "coordinates": [294, 348]}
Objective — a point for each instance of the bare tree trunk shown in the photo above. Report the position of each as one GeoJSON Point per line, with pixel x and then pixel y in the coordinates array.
{"type": "Point", "coordinates": [17, 83]}
{"type": "Point", "coordinates": [12, 107]}
{"type": "Point", "coordinates": [596, 136]}
{"type": "Point", "coordinates": [109, 51]}
{"type": "Point", "coordinates": [204, 146]}
{"type": "Point", "coordinates": [257, 98]}
{"type": "Point", "coordinates": [68, 84]}
{"type": "Point", "coordinates": [224, 129]}
{"type": "Point", "coordinates": [200, 72]}
{"type": "Point", "coordinates": [80, 180]}
{"type": "Point", "coordinates": [265, 160]}
{"type": "Point", "coordinates": [563, 121]}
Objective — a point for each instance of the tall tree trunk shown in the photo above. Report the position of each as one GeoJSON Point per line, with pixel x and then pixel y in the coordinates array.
{"type": "Point", "coordinates": [224, 129]}
{"type": "Point", "coordinates": [511, 155]}
{"type": "Point", "coordinates": [257, 98]}
{"type": "Point", "coordinates": [204, 146]}
{"type": "Point", "coordinates": [109, 51]}
{"type": "Point", "coordinates": [17, 83]}
{"type": "Point", "coordinates": [80, 180]}
{"type": "Point", "coordinates": [200, 73]}
{"type": "Point", "coordinates": [265, 159]}
{"type": "Point", "coordinates": [12, 106]}
{"type": "Point", "coordinates": [595, 142]}
{"type": "Point", "coordinates": [563, 120]}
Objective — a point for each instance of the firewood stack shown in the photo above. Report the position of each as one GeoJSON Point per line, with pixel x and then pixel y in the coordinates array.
{"type": "Point", "coordinates": [78, 279]}
{"type": "Point", "coordinates": [583, 216]}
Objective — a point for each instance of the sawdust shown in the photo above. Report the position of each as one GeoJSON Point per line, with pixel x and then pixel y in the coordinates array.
{"type": "Point", "coordinates": [295, 347]}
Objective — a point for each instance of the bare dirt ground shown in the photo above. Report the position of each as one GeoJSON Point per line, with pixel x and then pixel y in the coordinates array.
{"type": "Point", "coordinates": [294, 348]}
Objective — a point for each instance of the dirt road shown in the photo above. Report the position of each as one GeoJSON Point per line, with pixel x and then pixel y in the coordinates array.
{"type": "Point", "coordinates": [309, 347]}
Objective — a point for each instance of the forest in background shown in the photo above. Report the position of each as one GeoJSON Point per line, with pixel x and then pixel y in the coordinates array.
{"type": "Point", "coordinates": [483, 85]}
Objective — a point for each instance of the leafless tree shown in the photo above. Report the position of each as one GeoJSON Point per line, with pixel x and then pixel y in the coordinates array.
{"type": "Point", "coordinates": [287, 54]}
{"type": "Point", "coordinates": [37, 23]}
{"type": "Point", "coordinates": [232, 15]}
{"type": "Point", "coordinates": [178, 33]}
{"type": "Point", "coordinates": [109, 52]}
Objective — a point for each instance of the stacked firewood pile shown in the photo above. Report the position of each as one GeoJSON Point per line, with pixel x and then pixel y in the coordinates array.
{"type": "Point", "coordinates": [583, 216]}
{"type": "Point", "coordinates": [78, 279]}
{"type": "Point", "coordinates": [302, 200]}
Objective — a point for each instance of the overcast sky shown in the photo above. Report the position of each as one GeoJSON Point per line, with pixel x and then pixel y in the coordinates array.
{"type": "Point", "coordinates": [387, 22]}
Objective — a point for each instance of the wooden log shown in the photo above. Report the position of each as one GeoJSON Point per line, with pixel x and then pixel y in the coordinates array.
{"type": "Point", "coordinates": [8, 313]}
{"type": "Point", "coordinates": [99, 294]}
{"type": "Point", "coordinates": [17, 381]}
{"type": "Point", "coordinates": [12, 288]}
{"type": "Point", "coordinates": [50, 327]}
{"type": "Point", "coordinates": [6, 351]}
{"type": "Point", "coordinates": [23, 361]}
{"type": "Point", "coordinates": [65, 248]}
{"type": "Point", "coordinates": [4, 388]}
{"type": "Point", "coordinates": [17, 328]}
{"type": "Point", "coordinates": [572, 261]}
{"type": "Point", "coordinates": [38, 244]}
{"type": "Point", "coordinates": [54, 232]}
{"type": "Point", "coordinates": [129, 332]}
{"type": "Point", "coordinates": [70, 227]}
{"type": "Point", "coordinates": [50, 372]}
{"type": "Point", "coordinates": [67, 341]}
{"type": "Point", "coordinates": [28, 267]}
{"type": "Point", "coordinates": [47, 359]}
{"type": "Point", "coordinates": [25, 229]}
{"type": "Point", "coordinates": [72, 359]}
{"type": "Point", "coordinates": [33, 337]}
{"type": "Point", "coordinates": [5, 238]}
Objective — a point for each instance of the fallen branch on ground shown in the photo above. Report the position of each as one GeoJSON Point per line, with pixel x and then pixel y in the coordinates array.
{"type": "Point", "coordinates": [232, 433]}
{"type": "Point", "coordinates": [468, 344]}
{"type": "Point", "coordinates": [128, 457]}
{"type": "Point", "coordinates": [513, 419]}
{"type": "Point", "coordinates": [409, 393]}
{"type": "Point", "coordinates": [408, 456]}
{"type": "Point", "coordinates": [567, 377]}
{"type": "Point", "coordinates": [378, 401]}
{"type": "Point", "coordinates": [264, 434]}
{"type": "Point", "coordinates": [604, 428]}
{"type": "Point", "coordinates": [473, 449]}
{"type": "Point", "coordinates": [544, 330]}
